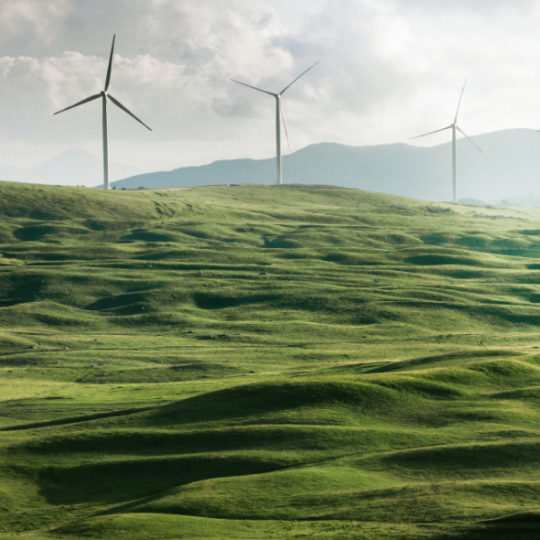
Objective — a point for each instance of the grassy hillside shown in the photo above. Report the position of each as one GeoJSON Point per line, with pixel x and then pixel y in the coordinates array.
{"type": "Point", "coordinates": [255, 362]}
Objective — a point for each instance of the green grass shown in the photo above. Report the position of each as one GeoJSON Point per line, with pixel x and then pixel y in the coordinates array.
{"type": "Point", "coordinates": [256, 362]}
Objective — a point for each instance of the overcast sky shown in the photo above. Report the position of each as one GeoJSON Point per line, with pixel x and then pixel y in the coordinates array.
{"type": "Point", "coordinates": [389, 70]}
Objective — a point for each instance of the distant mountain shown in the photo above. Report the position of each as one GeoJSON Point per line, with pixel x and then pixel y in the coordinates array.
{"type": "Point", "coordinates": [530, 200]}
{"type": "Point", "coordinates": [71, 168]}
{"type": "Point", "coordinates": [401, 169]}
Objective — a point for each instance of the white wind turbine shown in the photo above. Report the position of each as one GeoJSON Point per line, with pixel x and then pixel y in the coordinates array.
{"type": "Point", "coordinates": [104, 95]}
{"type": "Point", "coordinates": [279, 112]}
{"type": "Point", "coordinates": [454, 127]}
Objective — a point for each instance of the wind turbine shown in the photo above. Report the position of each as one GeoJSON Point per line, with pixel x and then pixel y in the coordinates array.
{"type": "Point", "coordinates": [104, 95]}
{"type": "Point", "coordinates": [454, 127]}
{"type": "Point", "coordinates": [279, 112]}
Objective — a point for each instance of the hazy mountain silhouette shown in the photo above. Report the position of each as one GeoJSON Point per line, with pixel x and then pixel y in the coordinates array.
{"type": "Point", "coordinates": [402, 169]}
{"type": "Point", "coordinates": [72, 168]}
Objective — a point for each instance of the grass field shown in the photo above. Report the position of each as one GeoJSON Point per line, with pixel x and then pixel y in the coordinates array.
{"type": "Point", "coordinates": [260, 362]}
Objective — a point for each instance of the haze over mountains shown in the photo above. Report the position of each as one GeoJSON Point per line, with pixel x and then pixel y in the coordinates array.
{"type": "Point", "coordinates": [512, 172]}
{"type": "Point", "coordinates": [73, 167]}
{"type": "Point", "coordinates": [513, 169]}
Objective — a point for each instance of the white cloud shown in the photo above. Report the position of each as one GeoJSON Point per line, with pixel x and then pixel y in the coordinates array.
{"type": "Point", "coordinates": [32, 20]}
{"type": "Point", "coordinates": [389, 69]}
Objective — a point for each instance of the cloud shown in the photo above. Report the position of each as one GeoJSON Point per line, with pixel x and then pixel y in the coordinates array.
{"type": "Point", "coordinates": [31, 21]}
{"type": "Point", "coordinates": [389, 69]}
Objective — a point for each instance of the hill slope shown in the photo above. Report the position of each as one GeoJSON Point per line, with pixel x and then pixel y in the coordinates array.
{"type": "Point", "coordinates": [256, 362]}
{"type": "Point", "coordinates": [400, 169]}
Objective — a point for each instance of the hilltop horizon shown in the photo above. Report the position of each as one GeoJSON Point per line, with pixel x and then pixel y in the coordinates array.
{"type": "Point", "coordinates": [422, 172]}
{"type": "Point", "coordinates": [396, 168]}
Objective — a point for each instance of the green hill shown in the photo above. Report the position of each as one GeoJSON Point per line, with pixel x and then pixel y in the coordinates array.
{"type": "Point", "coordinates": [254, 362]}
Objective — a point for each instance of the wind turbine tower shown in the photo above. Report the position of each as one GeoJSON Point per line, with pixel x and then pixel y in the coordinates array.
{"type": "Point", "coordinates": [104, 95]}
{"type": "Point", "coordinates": [454, 127]}
{"type": "Point", "coordinates": [279, 114]}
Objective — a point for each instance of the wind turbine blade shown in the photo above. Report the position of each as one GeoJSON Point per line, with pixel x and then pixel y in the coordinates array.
{"type": "Point", "coordinates": [459, 103]}
{"type": "Point", "coordinates": [91, 98]}
{"type": "Point", "coordinates": [254, 87]}
{"type": "Point", "coordinates": [430, 133]}
{"type": "Point", "coordinates": [301, 74]}
{"type": "Point", "coordinates": [284, 123]}
{"type": "Point", "coordinates": [108, 79]}
{"type": "Point", "coordinates": [461, 131]}
{"type": "Point", "coordinates": [118, 104]}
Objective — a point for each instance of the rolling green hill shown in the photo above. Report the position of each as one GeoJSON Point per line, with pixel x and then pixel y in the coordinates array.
{"type": "Point", "coordinates": [254, 362]}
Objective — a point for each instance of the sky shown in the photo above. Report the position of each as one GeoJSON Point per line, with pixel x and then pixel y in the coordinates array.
{"type": "Point", "coordinates": [388, 70]}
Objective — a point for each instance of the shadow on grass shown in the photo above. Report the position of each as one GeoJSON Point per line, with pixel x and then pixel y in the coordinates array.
{"type": "Point", "coordinates": [117, 481]}
{"type": "Point", "coordinates": [521, 526]}
{"type": "Point", "coordinates": [75, 419]}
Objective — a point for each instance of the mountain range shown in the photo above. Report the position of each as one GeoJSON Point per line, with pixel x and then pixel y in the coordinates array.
{"type": "Point", "coordinates": [510, 176]}
{"type": "Point", "coordinates": [512, 171]}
